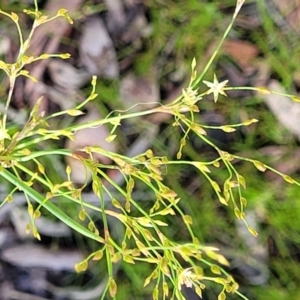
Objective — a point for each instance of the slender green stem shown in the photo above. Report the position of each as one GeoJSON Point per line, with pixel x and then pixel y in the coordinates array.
{"type": "Point", "coordinates": [48, 205]}
{"type": "Point", "coordinates": [23, 158]}
{"type": "Point", "coordinates": [213, 57]}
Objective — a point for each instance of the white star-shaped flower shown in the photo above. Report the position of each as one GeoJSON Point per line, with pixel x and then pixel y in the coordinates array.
{"type": "Point", "coordinates": [216, 87]}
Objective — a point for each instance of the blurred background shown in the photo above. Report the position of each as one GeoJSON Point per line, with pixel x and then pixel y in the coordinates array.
{"type": "Point", "coordinates": [141, 51]}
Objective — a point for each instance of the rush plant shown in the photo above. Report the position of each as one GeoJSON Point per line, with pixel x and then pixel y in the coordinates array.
{"type": "Point", "coordinates": [173, 263]}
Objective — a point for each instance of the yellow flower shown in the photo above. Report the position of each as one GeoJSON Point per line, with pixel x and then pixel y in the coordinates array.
{"type": "Point", "coordinates": [4, 134]}
{"type": "Point", "coordinates": [216, 87]}
{"type": "Point", "coordinates": [186, 278]}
